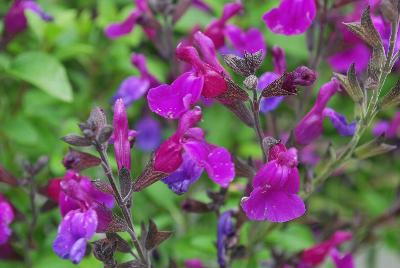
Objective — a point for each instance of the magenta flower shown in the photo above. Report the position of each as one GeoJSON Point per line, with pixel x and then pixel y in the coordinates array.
{"type": "Point", "coordinates": [311, 126]}
{"type": "Point", "coordinates": [76, 229]}
{"type": "Point", "coordinates": [53, 189]}
{"type": "Point", "coordinates": [225, 232]}
{"type": "Point", "coordinates": [190, 140]}
{"type": "Point", "coordinates": [116, 30]}
{"type": "Point", "coordinates": [201, 5]}
{"type": "Point", "coordinates": [250, 41]}
{"type": "Point", "coordinates": [122, 146]}
{"type": "Point", "coordinates": [317, 254]}
{"type": "Point", "coordinates": [342, 261]}
{"type": "Point", "coordinates": [134, 87]}
{"type": "Point", "coordinates": [6, 217]}
{"type": "Point", "coordinates": [187, 174]}
{"type": "Point", "coordinates": [206, 79]}
{"type": "Point", "coordinates": [78, 192]}
{"type": "Point", "coordinates": [149, 134]}
{"type": "Point", "coordinates": [194, 263]}
{"type": "Point", "coordinates": [291, 17]}
{"type": "Point", "coordinates": [274, 196]}
{"type": "Point", "coordinates": [15, 20]}
{"type": "Point", "coordinates": [216, 30]}
{"type": "Point", "coordinates": [390, 129]}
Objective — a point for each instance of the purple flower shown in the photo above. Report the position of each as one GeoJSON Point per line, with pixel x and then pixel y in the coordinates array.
{"type": "Point", "coordinates": [216, 30]}
{"type": "Point", "coordinates": [279, 60]}
{"type": "Point", "coordinates": [134, 87]}
{"type": "Point", "coordinates": [291, 17]}
{"type": "Point", "coordinates": [388, 128]}
{"type": "Point", "coordinates": [172, 101]}
{"type": "Point", "coordinates": [268, 104]}
{"type": "Point", "coordinates": [77, 227]}
{"type": "Point", "coordinates": [274, 197]}
{"type": "Point", "coordinates": [339, 122]}
{"type": "Point", "coordinates": [317, 254]}
{"type": "Point", "coordinates": [122, 146]}
{"type": "Point", "coordinates": [187, 174]}
{"type": "Point", "coordinates": [225, 232]}
{"type": "Point", "coordinates": [201, 5]}
{"type": "Point", "coordinates": [206, 79]}
{"type": "Point", "coordinates": [190, 140]}
{"type": "Point", "coordinates": [116, 30]}
{"type": "Point", "coordinates": [148, 134]}
{"type": "Point", "coordinates": [15, 20]}
{"type": "Point", "coordinates": [342, 261]}
{"type": "Point", "coordinates": [250, 41]}
{"type": "Point", "coordinates": [78, 192]}
{"type": "Point", "coordinates": [6, 217]}
{"type": "Point", "coordinates": [311, 126]}
{"type": "Point", "coordinates": [194, 263]}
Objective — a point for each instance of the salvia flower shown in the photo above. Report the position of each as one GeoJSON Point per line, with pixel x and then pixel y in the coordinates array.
{"type": "Point", "coordinates": [134, 87]}
{"type": "Point", "coordinates": [194, 263]}
{"type": "Point", "coordinates": [187, 174]}
{"type": "Point", "coordinates": [149, 134]}
{"type": "Point", "coordinates": [76, 228]}
{"type": "Point", "coordinates": [122, 146]}
{"type": "Point", "coordinates": [85, 209]}
{"type": "Point", "coordinates": [119, 29]}
{"type": "Point", "coordinates": [275, 186]}
{"type": "Point", "coordinates": [391, 129]}
{"type": "Point", "coordinates": [317, 254]}
{"type": "Point", "coordinates": [249, 41]}
{"type": "Point", "coordinates": [206, 79]}
{"type": "Point", "coordinates": [342, 261]}
{"type": "Point", "coordinates": [216, 29]}
{"type": "Point", "coordinates": [311, 126]}
{"type": "Point", "coordinates": [292, 17]}
{"type": "Point", "coordinates": [189, 141]}
{"type": "Point", "coordinates": [15, 20]}
{"type": "Point", "coordinates": [225, 233]}
{"type": "Point", "coordinates": [6, 217]}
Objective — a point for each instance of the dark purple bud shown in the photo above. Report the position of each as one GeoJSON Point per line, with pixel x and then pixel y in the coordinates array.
{"type": "Point", "coordinates": [225, 234]}
{"type": "Point", "coordinates": [78, 160]}
{"type": "Point", "coordinates": [194, 206]}
{"type": "Point", "coordinates": [303, 76]}
{"type": "Point", "coordinates": [7, 177]}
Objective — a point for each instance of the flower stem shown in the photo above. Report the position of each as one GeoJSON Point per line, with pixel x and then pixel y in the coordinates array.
{"type": "Point", "coordinates": [255, 107]}
{"type": "Point", "coordinates": [125, 211]}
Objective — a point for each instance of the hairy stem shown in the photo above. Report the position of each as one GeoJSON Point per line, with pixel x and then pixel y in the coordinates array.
{"type": "Point", "coordinates": [125, 211]}
{"type": "Point", "coordinates": [255, 107]}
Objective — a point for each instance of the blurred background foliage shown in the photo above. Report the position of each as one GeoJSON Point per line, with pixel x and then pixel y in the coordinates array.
{"type": "Point", "coordinates": [54, 73]}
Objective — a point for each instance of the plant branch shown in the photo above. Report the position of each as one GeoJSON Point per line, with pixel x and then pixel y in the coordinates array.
{"type": "Point", "coordinates": [255, 107]}
{"type": "Point", "coordinates": [125, 211]}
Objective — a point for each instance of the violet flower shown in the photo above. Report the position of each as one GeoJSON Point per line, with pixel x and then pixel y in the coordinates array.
{"type": "Point", "coordinates": [225, 232]}
{"type": "Point", "coordinates": [206, 79]}
{"type": "Point", "coordinates": [391, 129]}
{"type": "Point", "coordinates": [275, 186]}
{"type": "Point", "coordinates": [278, 57]}
{"type": "Point", "coordinates": [77, 227]}
{"type": "Point", "coordinates": [194, 263]}
{"type": "Point", "coordinates": [119, 29]}
{"type": "Point", "coordinates": [342, 261]}
{"type": "Point", "coordinates": [149, 134]}
{"type": "Point", "coordinates": [317, 254]}
{"type": "Point", "coordinates": [250, 41]}
{"type": "Point", "coordinates": [187, 174]}
{"type": "Point", "coordinates": [15, 20]}
{"type": "Point", "coordinates": [291, 17]}
{"type": "Point", "coordinates": [311, 126]}
{"type": "Point", "coordinates": [122, 146]}
{"type": "Point", "coordinates": [134, 87]}
{"type": "Point", "coordinates": [201, 5]}
{"type": "Point", "coordinates": [6, 217]}
{"type": "Point", "coordinates": [216, 30]}
{"type": "Point", "coordinates": [86, 210]}
{"type": "Point", "coordinates": [190, 140]}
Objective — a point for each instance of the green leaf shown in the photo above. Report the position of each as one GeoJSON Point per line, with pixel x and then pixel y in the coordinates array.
{"type": "Point", "coordinates": [44, 72]}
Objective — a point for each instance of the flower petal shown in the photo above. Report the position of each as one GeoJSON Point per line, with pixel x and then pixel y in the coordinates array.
{"type": "Point", "coordinates": [291, 17]}
{"type": "Point", "coordinates": [119, 29]}
{"type": "Point", "coordinates": [122, 146]}
{"type": "Point", "coordinates": [275, 206]}
{"type": "Point", "coordinates": [171, 101]}
{"type": "Point", "coordinates": [132, 89]}
{"type": "Point", "coordinates": [340, 123]}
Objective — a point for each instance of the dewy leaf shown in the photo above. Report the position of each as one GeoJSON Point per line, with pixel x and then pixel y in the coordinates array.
{"type": "Point", "coordinates": [43, 71]}
{"type": "Point", "coordinates": [373, 148]}
{"type": "Point", "coordinates": [155, 237]}
{"type": "Point", "coordinates": [353, 88]}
